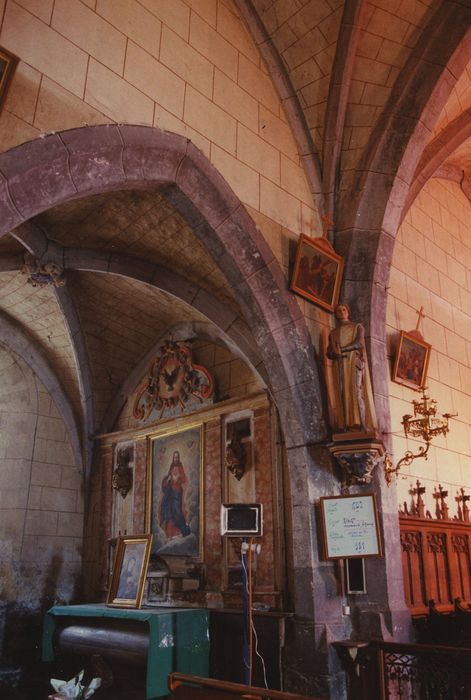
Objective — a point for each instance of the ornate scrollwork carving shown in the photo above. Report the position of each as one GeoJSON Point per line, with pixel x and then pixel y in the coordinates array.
{"type": "Point", "coordinates": [43, 273]}
{"type": "Point", "coordinates": [411, 542]}
{"type": "Point", "coordinates": [436, 542]}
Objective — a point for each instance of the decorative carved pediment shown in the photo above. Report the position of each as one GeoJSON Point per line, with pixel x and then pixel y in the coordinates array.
{"type": "Point", "coordinates": [173, 382]}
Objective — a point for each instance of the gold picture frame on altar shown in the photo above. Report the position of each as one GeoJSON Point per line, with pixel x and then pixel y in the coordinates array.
{"type": "Point", "coordinates": [411, 361]}
{"type": "Point", "coordinates": [7, 67]}
{"type": "Point", "coordinates": [129, 571]}
{"type": "Point", "coordinates": [317, 272]}
{"type": "Point", "coordinates": [174, 513]}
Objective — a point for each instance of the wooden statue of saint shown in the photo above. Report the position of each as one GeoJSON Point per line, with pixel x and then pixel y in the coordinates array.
{"type": "Point", "coordinates": [352, 402]}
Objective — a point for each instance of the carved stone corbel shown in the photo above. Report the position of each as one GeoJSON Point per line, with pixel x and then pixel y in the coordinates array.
{"type": "Point", "coordinates": [357, 460]}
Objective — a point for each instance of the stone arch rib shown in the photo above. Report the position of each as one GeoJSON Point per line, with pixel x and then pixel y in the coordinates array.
{"type": "Point", "coordinates": [339, 88]}
{"type": "Point", "coordinates": [90, 160]}
{"type": "Point", "coordinates": [15, 338]}
{"type": "Point", "coordinates": [368, 224]}
{"type": "Point", "coordinates": [38, 244]}
{"type": "Point", "coordinates": [398, 140]}
{"type": "Point", "coordinates": [433, 157]}
{"type": "Point", "coordinates": [287, 94]}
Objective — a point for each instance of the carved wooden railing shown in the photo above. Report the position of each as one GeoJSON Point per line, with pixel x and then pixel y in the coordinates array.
{"type": "Point", "coordinates": [389, 671]}
{"type": "Point", "coordinates": [435, 553]}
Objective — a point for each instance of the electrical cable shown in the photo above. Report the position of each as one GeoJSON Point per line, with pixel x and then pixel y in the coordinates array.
{"type": "Point", "coordinates": [246, 615]}
{"type": "Point", "coordinates": [250, 610]}
{"type": "Point", "coordinates": [248, 667]}
{"type": "Point", "coordinates": [260, 657]}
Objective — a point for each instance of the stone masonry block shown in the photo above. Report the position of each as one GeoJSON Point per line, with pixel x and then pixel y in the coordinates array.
{"type": "Point", "coordinates": [44, 48]}
{"type": "Point", "coordinates": [152, 155]}
{"type": "Point", "coordinates": [213, 46]}
{"type": "Point", "coordinates": [174, 13]}
{"type": "Point", "coordinates": [134, 21]}
{"type": "Point", "coordinates": [279, 205]}
{"type": "Point", "coordinates": [186, 62]}
{"type": "Point", "coordinates": [55, 499]}
{"type": "Point", "coordinates": [206, 188]}
{"type": "Point", "coordinates": [241, 178]}
{"type": "Point", "coordinates": [235, 101]}
{"type": "Point", "coordinates": [38, 175]}
{"type": "Point", "coordinates": [115, 97]}
{"type": "Point", "coordinates": [154, 79]}
{"type": "Point", "coordinates": [88, 30]}
{"type": "Point", "coordinates": [9, 217]}
{"type": "Point", "coordinates": [258, 154]}
{"type": "Point", "coordinates": [46, 474]}
{"type": "Point", "coordinates": [209, 119]}
{"type": "Point", "coordinates": [41, 522]}
{"type": "Point", "coordinates": [70, 524]}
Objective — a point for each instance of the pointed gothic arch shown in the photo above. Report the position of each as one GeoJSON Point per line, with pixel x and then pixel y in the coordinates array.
{"type": "Point", "coordinates": [46, 172]}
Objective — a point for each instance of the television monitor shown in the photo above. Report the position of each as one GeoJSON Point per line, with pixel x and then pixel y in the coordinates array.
{"type": "Point", "coordinates": [241, 519]}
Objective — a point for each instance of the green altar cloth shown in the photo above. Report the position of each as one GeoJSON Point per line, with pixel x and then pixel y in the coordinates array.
{"type": "Point", "coordinates": [178, 639]}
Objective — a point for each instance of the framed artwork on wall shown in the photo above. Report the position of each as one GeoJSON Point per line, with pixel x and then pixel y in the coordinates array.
{"type": "Point", "coordinates": [317, 272]}
{"type": "Point", "coordinates": [174, 492]}
{"type": "Point", "coordinates": [7, 67]}
{"type": "Point", "coordinates": [129, 571]}
{"type": "Point", "coordinates": [350, 526]}
{"type": "Point", "coordinates": [411, 361]}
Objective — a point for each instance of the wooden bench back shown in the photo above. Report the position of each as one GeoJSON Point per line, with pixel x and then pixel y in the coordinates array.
{"type": "Point", "coordinates": [210, 689]}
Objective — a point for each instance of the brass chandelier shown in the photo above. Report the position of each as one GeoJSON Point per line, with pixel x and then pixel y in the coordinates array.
{"type": "Point", "coordinates": [425, 425]}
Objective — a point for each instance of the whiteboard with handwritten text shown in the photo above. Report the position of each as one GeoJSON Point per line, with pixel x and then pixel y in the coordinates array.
{"type": "Point", "coordinates": [350, 526]}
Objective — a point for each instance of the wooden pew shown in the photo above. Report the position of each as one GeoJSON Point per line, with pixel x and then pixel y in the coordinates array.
{"type": "Point", "coordinates": [462, 617]}
{"type": "Point", "coordinates": [185, 687]}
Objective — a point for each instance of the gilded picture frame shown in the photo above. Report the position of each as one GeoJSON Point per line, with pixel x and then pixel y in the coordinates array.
{"type": "Point", "coordinates": [8, 64]}
{"type": "Point", "coordinates": [174, 513]}
{"type": "Point", "coordinates": [317, 272]}
{"type": "Point", "coordinates": [129, 571]}
{"type": "Point", "coordinates": [411, 361]}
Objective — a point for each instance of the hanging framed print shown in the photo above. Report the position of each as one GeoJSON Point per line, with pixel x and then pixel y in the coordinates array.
{"type": "Point", "coordinates": [411, 361]}
{"type": "Point", "coordinates": [317, 272]}
{"type": "Point", "coordinates": [7, 67]}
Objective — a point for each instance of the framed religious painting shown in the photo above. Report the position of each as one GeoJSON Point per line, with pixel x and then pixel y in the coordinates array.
{"type": "Point", "coordinates": [7, 67]}
{"type": "Point", "coordinates": [129, 571]}
{"type": "Point", "coordinates": [174, 513]}
{"type": "Point", "coordinates": [411, 361]}
{"type": "Point", "coordinates": [317, 272]}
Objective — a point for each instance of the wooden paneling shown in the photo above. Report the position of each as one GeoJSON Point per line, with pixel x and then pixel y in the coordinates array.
{"type": "Point", "coordinates": [436, 562]}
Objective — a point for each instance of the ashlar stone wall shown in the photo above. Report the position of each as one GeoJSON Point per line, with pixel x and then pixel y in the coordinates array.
{"type": "Point", "coordinates": [186, 66]}
{"type": "Point", "coordinates": [432, 268]}
{"type": "Point", "coordinates": [41, 500]}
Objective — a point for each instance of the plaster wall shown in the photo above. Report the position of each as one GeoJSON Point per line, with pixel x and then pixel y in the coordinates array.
{"type": "Point", "coordinates": [41, 507]}
{"type": "Point", "coordinates": [432, 268]}
{"type": "Point", "coordinates": [185, 66]}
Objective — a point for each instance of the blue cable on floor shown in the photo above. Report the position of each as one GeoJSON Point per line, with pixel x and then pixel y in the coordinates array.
{"type": "Point", "coordinates": [247, 631]}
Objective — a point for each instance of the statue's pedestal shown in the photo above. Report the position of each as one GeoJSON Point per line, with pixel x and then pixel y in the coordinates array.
{"type": "Point", "coordinates": [357, 454]}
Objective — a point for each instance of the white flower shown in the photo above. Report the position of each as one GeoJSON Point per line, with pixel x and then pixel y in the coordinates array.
{"type": "Point", "coordinates": [74, 687]}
